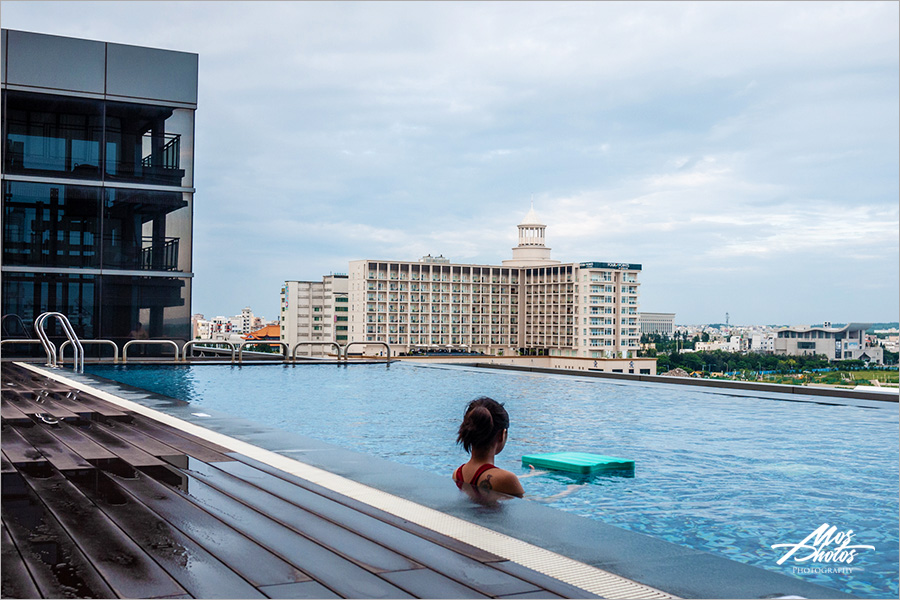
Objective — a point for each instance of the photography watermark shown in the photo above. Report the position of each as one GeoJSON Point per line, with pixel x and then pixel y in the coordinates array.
{"type": "Point", "coordinates": [826, 544]}
{"type": "Point", "coordinates": [823, 570]}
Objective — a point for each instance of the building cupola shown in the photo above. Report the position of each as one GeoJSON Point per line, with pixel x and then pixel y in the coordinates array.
{"type": "Point", "coordinates": [532, 248]}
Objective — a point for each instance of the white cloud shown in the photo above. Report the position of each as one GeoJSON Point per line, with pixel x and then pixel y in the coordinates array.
{"type": "Point", "coordinates": [706, 140]}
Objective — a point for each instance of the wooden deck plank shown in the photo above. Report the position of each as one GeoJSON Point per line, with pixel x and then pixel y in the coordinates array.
{"type": "Point", "coordinates": [71, 436]}
{"type": "Point", "coordinates": [440, 558]}
{"type": "Point", "coordinates": [58, 454]}
{"type": "Point", "coordinates": [10, 412]}
{"type": "Point", "coordinates": [187, 443]}
{"type": "Point", "coordinates": [340, 507]}
{"type": "Point", "coordinates": [18, 450]}
{"type": "Point", "coordinates": [59, 568]}
{"type": "Point", "coordinates": [342, 540]}
{"type": "Point", "coordinates": [5, 464]}
{"type": "Point", "coordinates": [16, 581]}
{"type": "Point", "coordinates": [207, 577]}
{"type": "Point", "coordinates": [33, 407]}
{"type": "Point", "coordinates": [76, 398]}
{"type": "Point", "coordinates": [130, 572]}
{"type": "Point", "coordinates": [223, 542]}
{"type": "Point", "coordinates": [130, 435]}
{"type": "Point", "coordinates": [332, 570]}
{"type": "Point", "coordinates": [127, 452]}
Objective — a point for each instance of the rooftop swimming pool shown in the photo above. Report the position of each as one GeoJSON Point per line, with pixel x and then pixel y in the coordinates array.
{"type": "Point", "coordinates": [729, 473]}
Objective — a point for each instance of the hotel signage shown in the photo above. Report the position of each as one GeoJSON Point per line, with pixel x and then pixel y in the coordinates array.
{"type": "Point", "coordinates": [610, 265]}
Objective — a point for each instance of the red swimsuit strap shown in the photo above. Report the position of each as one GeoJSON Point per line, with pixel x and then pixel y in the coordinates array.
{"type": "Point", "coordinates": [480, 472]}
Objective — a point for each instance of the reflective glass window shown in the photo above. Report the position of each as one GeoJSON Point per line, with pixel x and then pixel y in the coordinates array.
{"type": "Point", "coordinates": [51, 225]}
{"type": "Point", "coordinates": [149, 144]}
{"type": "Point", "coordinates": [147, 230]}
{"type": "Point", "coordinates": [27, 295]}
{"type": "Point", "coordinates": [146, 308]}
{"type": "Point", "coordinates": [52, 136]}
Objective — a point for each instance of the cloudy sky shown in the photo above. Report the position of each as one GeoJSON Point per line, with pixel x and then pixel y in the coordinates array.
{"type": "Point", "coordinates": [746, 154]}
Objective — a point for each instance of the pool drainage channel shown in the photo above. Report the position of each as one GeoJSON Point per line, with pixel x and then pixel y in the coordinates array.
{"type": "Point", "coordinates": [557, 566]}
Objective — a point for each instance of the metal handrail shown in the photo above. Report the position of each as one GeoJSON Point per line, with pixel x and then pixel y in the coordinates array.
{"type": "Point", "coordinates": [109, 342]}
{"type": "Point", "coordinates": [154, 342]}
{"type": "Point", "coordinates": [258, 342]}
{"type": "Point", "coordinates": [333, 344]}
{"type": "Point", "coordinates": [190, 343]}
{"type": "Point", "coordinates": [50, 349]}
{"type": "Point", "coordinates": [347, 347]}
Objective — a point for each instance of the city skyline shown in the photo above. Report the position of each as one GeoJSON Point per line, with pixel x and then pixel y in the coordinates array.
{"type": "Point", "coordinates": [745, 154]}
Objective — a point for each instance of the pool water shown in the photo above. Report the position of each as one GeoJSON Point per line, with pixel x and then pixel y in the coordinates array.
{"type": "Point", "coordinates": [727, 474]}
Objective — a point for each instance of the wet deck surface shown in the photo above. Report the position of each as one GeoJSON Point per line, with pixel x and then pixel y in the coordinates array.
{"type": "Point", "coordinates": [101, 502]}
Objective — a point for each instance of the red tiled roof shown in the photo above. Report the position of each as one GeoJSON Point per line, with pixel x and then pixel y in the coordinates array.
{"type": "Point", "coordinates": [269, 332]}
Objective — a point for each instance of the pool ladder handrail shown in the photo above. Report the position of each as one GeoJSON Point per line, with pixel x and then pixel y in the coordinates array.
{"type": "Point", "coordinates": [149, 343]}
{"type": "Point", "coordinates": [62, 348]}
{"type": "Point", "coordinates": [334, 345]}
{"type": "Point", "coordinates": [50, 348]}
{"type": "Point", "coordinates": [191, 343]}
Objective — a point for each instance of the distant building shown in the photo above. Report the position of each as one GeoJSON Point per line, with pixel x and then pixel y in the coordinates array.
{"type": "Point", "coordinates": [529, 305]}
{"type": "Point", "coordinates": [763, 343]}
{"type": "Point", "coordinates": [229, 329]}
{"type": "Point", "coordinates": [265, 333]}
{"type": "Point", "coordinates": [836, 343]}
{"type": "Point", "coordinates": [657, 323]}
{"type": "Point", "coordinates": [315, 311]}
{"type": "Point", "coordinates": [199, 327]}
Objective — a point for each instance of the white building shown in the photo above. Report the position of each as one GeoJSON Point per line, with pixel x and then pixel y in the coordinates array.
{"type": "Point", "coordinates": [836, 343]}
{"type": "Point", "coordinates": [764, 343]}
{"type": "Point", "coordinates": [199, 327]}
{"type": "Point", "coordinates": [531, 304]}
{"type": "Point", "coordinates": [657, 323]}
{"type": "Point", "coordinates": [227, 328]}
{"type": "Point", "coordinates": [315, 311]}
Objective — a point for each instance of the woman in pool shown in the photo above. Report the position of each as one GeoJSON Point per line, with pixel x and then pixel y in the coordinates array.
{"type": "Point", "coordinates": [483, 433]}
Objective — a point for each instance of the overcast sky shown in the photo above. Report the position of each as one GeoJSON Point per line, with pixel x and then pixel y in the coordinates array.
{"type": "Point", "coordinates": [746, 154]}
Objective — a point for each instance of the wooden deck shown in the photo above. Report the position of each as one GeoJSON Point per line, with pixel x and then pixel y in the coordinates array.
{"type": "Point", "coordinates": [104, 503]}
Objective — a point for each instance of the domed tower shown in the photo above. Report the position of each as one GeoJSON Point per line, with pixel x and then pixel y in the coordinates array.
{"type": "Point", "coordinates": [531, 249]}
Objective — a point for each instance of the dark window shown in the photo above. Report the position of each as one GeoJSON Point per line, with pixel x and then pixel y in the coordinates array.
{"type": "Point", "coordinates": [160, 304]}
{"type": "Point", "coordinates": [149, 144]}
{"type": "Point", "coordinates": [146, 230]}
{"type": "Point", "coordinates": [27, 295]}
{"type": "Point", "coordinates": [53, 136]}
{"type": "Point", "coordinates": [51, 225]}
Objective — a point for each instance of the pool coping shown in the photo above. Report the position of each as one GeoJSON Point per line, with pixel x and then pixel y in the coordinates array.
{"type": "Point", "coordinates": [886, 395]}
{"type": "Point", "coordinates": [638, 557]}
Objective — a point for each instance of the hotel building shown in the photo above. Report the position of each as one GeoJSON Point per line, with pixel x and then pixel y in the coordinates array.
{"type": "Point", "coordinates": [315, 311]}
{"type": "Point", "coordinates": [528, 305]}
{"type": "Point", "coordinates": [98, 151]}
{"type": "Point", "coordinates": [657, 323]}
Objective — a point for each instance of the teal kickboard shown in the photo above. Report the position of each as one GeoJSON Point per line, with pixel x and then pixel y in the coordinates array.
{"type": "Point", "coordinates": [575, 462]}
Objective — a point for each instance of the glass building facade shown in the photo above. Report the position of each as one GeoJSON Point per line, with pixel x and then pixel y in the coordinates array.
{"type": "Point", "coordinates": [97, 177]}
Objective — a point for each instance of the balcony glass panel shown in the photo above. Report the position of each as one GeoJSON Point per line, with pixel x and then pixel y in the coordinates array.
{"type": "Point", "coordinates": [147, 230]}
{"type": "Point", "coordinates": [149, 144]}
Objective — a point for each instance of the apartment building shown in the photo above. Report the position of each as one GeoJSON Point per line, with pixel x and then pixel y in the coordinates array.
{"type": "Point", "coordinates": [529, 305]}
{"type": "Point", "coordinates": [315, 311]}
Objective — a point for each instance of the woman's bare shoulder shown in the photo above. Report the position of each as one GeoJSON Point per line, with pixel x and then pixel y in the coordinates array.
{"type": "Point", "coordinates": [501, 480]}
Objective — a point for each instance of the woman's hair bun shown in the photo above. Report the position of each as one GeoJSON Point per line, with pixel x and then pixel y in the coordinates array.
{"type": "Point", "coordinates": [483, 420]}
